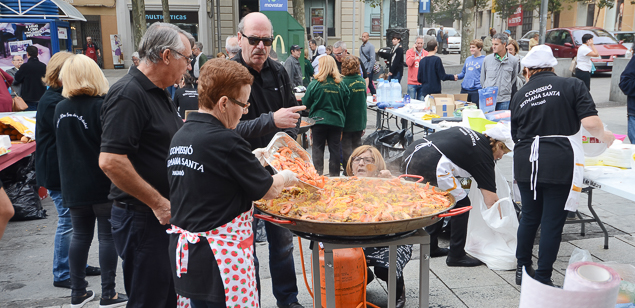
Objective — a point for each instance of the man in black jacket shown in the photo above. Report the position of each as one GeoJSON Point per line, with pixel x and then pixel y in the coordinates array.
{"type": "Point", "coordinates": [273, 108]}
{"type": "Point", "coordinates": [30, 77]}
{"type": "Point", "coordinates": [396, 58]}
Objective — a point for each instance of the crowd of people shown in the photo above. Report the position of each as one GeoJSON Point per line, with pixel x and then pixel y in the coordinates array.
{"type": "Point", "coordinates": [145, 174]}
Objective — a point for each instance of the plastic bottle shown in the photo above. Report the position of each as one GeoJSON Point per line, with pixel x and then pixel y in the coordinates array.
{"type": "Point", "coordinates": [380, 90]}
{"type": "Point", "coordinates": [396, 90]}
{"type": "Point", "coordinates": [406, 99]}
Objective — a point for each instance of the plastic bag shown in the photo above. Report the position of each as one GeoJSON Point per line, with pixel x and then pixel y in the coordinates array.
{"type": "Point", "coordinates": [391, 145]}
{"type": "Point", "coordinates": [580, 255]}
{"type": "Point", "coordinates": [491, 233]}
{"type": "Point", "coordinates": [19, 184]}
{"type": "Point", "coordinates": [487, 99]}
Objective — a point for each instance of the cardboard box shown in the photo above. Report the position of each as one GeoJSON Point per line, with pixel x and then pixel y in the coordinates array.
{"type": "Point", "coordinates": [444, 106]}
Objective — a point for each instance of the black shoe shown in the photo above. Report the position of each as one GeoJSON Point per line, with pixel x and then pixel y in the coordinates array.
{"type": "Point", "coordinates": [292, 305]}
{"type": "Point", "coordinates": [80, 301]}
{"type": "Point", "coordinates": [63, 284]}
{"type": "Point", "coordinates": [120, 301]}
{"type": "Point", "coordinates": [401, 300]}
{"type": "Point", "coordinates": [369, 275]}
{"type": "Point", "coordinates": [93, 271]}
{"type": "Point", "coordinates": [439, 252]}
{"type": "Point", "coordinates": [519, 273]}
{"type": "Point", "coordinates": [464, 261]}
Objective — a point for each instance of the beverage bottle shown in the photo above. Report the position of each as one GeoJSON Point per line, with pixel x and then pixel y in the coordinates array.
{"type": "Point", "coordinates": [396, 88]}
{"type": "Point", "coordinates": [380, 90]}
{"type": "Point", "coordinates": [406, 99]}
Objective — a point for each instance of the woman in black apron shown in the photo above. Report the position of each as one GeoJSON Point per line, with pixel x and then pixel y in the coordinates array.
{"type": "Point", "coordinates": [546, 114]}
{"type": "Point", "coordinates": [454, 153]}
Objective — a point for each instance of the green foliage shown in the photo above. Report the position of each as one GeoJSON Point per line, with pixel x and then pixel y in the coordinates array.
{"type": "Point", "coordinates": [443, 10]}
{"type": "Point", "coordinates": [372, 3]}
{"type": "Point", "coordinates": [505, 8]}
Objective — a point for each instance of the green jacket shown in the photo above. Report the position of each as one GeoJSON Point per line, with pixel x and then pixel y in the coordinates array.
{"type": "Point", "coordinates": [356, 108]}
{"type": "Point", "coordinates": [308, 72]}
{"type": "Point", "coordinates": [201, 60]}
{"type": "Point", "coordinates": [327, 100]}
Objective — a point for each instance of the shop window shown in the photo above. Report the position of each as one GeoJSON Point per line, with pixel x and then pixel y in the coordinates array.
{"type": "Point", "coordinates": [314, 11]}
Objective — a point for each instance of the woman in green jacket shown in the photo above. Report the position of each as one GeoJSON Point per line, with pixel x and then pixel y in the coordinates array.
{"type": "Point", "coordinates": [355, 123]}
{"type": "Point", "coordinates": [327, 97]}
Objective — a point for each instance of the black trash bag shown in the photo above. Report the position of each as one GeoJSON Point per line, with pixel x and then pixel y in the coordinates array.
{"type": "Point", "coordinates": [20, 185]}
{"type": "Point", "coordinates": [391, 145]}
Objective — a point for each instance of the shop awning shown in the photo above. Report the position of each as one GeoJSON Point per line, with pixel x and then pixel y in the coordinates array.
{"type": "Point", "coordinates": [29, 10]}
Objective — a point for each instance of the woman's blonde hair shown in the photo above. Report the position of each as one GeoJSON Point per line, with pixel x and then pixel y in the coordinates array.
{"type": "Point", "coordinates": [53, 68]}
{"type": "Point", "coordinates": [81, 76]}
{"type": "Point", "coordinates": [379, 160]}
{"type": "Point", "coordinates": [327, 66]}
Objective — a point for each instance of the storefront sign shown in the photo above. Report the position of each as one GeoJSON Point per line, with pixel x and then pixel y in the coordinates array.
{"type": "Point", "coordinates": [175, 17]}
{"type": "Point", "coordinates": [117, 51]}
{"type": "Point", "coordinates": [317, 16]}
{"type": "Point", "coordinates": [424, 6]}
{"type": "Point", "coordinates": [273, 5]}
{"type": "Point", "coordinates": [62, 33]}
{"type": "Point", "coordinates": [516, 19]}
{"type": "Point", "coordinates": [375, 23]}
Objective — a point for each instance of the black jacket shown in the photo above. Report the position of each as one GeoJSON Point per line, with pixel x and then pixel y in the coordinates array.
{"type": "Point", "coordinates": [627, 84]}
{"type": "Point", "coordinates": [47, 170]}
{"type": "Point", "coordinates": [30, 77]}
{"type": "Point", "coordinates": [258, 126]}
{"type": "Point", "coordinates": [396, 61]}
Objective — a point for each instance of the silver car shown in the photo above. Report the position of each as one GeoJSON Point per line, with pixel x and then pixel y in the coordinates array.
{"type": "Point", "coordinates": [523, 42]}
{"type": "Point", "coordinates": [626, 37]}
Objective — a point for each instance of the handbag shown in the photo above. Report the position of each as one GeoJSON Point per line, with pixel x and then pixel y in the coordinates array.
{"type": "Point", "coordinates": [18, 103]}
{"type": "Point", "coordinates": [574, 62]}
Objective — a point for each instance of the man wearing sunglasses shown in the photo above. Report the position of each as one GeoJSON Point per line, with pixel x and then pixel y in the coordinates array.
{"type": "Point", "coordinates": [273, 109]}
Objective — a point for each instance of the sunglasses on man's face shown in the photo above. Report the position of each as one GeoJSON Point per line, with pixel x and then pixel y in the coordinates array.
{"type": "Point", "coordinates": [254, 40]}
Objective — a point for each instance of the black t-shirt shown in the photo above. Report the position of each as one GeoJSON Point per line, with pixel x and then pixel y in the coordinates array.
{"type": "Point", "coordinates": [78, 132]}
{"type": "Point", "coordinates": [139, 120]}
{"type": "Point", "coordinates": [270, 91]}
{"type": "Point", "coordinates": [186, 99]}
{"type": "Point", "coordinates": [548, 105]}
{"type": "Point", "coordinates": [213, 178]}
{"type": "Point", "coordinates": [466, 148]}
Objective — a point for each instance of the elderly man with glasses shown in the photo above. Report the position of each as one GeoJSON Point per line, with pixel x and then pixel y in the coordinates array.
{"type": "Point", "coordinates": [17, 61]}
{"type": "Point", "coordinates": [199, 60]}
{"type": "Point", "coordinates": [138, 122]}
{"type": "Point", "coordinates": [273, 108]}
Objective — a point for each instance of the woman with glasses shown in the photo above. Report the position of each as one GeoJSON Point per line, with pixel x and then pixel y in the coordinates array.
{"type": "Point", "coordinates": [366, 161]}
{"type": "Point", "coordinates": [214, 179]}
{"type": "Point", "coordinates": [327, 97]}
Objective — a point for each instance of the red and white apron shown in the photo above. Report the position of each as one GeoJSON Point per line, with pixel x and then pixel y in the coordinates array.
{"type": "Point", "coordinates": [232, 245]}
{"type": "Point", "coordinates": [91, 52]}
{"type": "Point", "coordinates": [578, 167]}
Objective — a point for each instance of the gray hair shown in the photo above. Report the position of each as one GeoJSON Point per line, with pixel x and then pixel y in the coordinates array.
{"type": "Point", "coordinates": [159, 37]}
{"type": "Point", "coordinates": [241, 25]}
{"type": "Point", "coordinates": [199, 45]}
{"type": "Point", "coordinates": [502, 37]}
{"type": "Point", "coordinates": [232, 48]}
{"type": "Point", "coordinates": [339, 44]}
{"type": "Point", "coordinates": [135, 55]}
{"type": "Point", "coordinates": [420, 37]}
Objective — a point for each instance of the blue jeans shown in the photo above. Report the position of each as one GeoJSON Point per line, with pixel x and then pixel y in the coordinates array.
{"type": "Point", "coordinates": [415, 91]}
{"type": "Point", "coordinates": [472, 96]}
{"type": "Point", "coordinates": [281, 265]}
{"type": "Point", "coordinates": [502, 105]}
{"type": "Point", "coordinates": [142, 244]}
{"type": "Point", "coordinates": [63, 233]}
{"type": "Point", "coordinates": [631, 129]}
{"type": "Point", "coordinates": [546, 212]}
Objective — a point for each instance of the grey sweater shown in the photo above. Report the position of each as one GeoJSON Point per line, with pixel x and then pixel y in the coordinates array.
{"type": "Point", "coordinates": [501, 74]}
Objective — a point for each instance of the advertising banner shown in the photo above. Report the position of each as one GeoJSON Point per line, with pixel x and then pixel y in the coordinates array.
{"type": "Point", "coordinates": [273, 5]}
{"type": "Point", "coordinates": [15, 37]}
{"type": "Point", "coordinates": [516, 19]}
{"type": "Point", "coordinates": [117, 53]}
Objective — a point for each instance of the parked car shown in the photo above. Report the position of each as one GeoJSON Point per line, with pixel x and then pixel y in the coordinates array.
{"type": "Point", "coordinates": [454, 38]}
{"type": "Point", "coordinates": [564, 43]}
{"type": "Point", "coordinates": [523, 42]}
{"type": "Point", "coordinates": [626, 37]}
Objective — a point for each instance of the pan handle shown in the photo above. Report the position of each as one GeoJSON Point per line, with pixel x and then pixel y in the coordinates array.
{"type": "Point", "coordinates": [274, 220]}
{"type": "Point", "coordinates": [412, 176]}
{"type": "Point", "coordinates": [455, 212]}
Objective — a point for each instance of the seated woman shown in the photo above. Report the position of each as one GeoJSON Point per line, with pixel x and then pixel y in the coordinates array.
{"type": "Point", "coordinates": [366, 161]}
{"type": "Point", "coordinates": [214, 179]}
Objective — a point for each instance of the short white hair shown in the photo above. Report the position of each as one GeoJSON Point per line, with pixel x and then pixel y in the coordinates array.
{"type": "Point", "coordinates": [232, 48]}
{"type": "Point", "coordinates": [339, 44]}
{"type": "Point", "coordinates": [136, 55]}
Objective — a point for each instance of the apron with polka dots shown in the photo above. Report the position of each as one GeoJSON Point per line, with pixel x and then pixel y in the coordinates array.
{"type": "Point", "coordinates": [232, 245]}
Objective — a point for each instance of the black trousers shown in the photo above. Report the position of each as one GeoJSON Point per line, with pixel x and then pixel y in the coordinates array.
{"type": "Point", "coordinates": [472, 96]}
{"type": "Point", "coordinates": [458, 231]}
{"type": "Point", "coordinates": [584, 76]}
{"type": "Point", "coordinates": [371, 85]}
{"type": "Point", "coordinates": [321, 134]}
{"type": "Point", "coordinates": [350, 142]}
{"type": "Point", "coordinates": [546, 212]}
{"type": "Point", "coordinates": [142, 244]}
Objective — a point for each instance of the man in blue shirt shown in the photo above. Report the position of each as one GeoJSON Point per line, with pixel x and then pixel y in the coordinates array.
{"type": "Point", "coordinates": [472, 72]}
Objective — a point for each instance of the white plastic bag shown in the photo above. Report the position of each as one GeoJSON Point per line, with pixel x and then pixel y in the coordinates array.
{"type": "Point", "coordinates": [491, 233]}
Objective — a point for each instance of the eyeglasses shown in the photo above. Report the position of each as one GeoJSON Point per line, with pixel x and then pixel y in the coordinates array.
{"type": "Point", "coordinates": [338, 54]}
{"type": "Point", "coordinates": [254, 40]}
{"type": "Point", "coordinates": [367, 160]}
{"type": "Point", "coordinates": [241, 104]}
{"type": "Point", "coordinates": [188, 59]}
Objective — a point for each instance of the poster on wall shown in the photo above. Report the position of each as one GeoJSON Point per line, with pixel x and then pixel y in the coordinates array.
{"type": "Point", "coordinates": [15, 37]}
{"type": "Point", "coordinates": [619, 16]}
{"type": "Point", "coordinates": [317, 16]}
{"type": "Point", "coordinates": [116, 48]}
{"type": "Point", "coordinates": [375, 23]}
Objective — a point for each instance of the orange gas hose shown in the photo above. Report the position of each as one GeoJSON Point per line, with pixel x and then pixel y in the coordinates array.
{"type": "Point", "coordinates": [364, 303]}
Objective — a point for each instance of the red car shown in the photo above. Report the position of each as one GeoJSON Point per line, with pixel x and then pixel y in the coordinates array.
{"type": "Point", "coordinates": [564, 43]}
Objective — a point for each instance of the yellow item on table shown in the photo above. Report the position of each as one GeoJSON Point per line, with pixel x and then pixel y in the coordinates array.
{"type": "Point", "coordinates": [430, 116]}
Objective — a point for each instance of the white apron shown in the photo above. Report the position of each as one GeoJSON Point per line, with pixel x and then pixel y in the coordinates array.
{"type": "Point", "coordinates": [578, 167]}
{"type": "Point", "coordinates": [232, 245]}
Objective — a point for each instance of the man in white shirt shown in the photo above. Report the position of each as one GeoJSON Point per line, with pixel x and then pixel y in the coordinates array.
{"type": "Point", "coordinates": [200, 59]}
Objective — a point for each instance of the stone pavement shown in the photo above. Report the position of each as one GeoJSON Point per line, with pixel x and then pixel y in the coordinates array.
{"type": "Point", "coordinates": [26, 255]}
